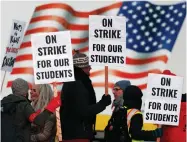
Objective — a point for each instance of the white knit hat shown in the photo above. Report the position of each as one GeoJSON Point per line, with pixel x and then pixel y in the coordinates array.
{"type": "Point", "coordinates": [80, 60]}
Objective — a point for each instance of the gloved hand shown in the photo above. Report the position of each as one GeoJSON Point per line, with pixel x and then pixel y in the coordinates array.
{"type": "Point", "coordinates": [158, 133]}
{"type": "Point", "coordinates": [106, 100]}
{"type": "Point", "coordinates": [53, 104]}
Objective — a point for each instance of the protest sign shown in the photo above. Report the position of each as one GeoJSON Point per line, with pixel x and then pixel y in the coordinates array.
{"type": "Point", "coordinates": [163, 99]}
{"type": "Point", "coordinates": [107, 40]}
{"type": "Point", "coordinates": [52, 57]}
{"type": "Point", "coordinates": [16, 36]}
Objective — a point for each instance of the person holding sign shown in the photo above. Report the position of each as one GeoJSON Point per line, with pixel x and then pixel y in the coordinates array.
{"type": "Point", "coordinates": [40, 97]}
{"type": "Point", "coordinates": [17, 114]}
{"type": "Point", "coordinates": [79, 109]}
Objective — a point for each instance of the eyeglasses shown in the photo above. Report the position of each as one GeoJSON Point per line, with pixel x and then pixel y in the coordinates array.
{"type": "Point", "coordinates": [116, 89]}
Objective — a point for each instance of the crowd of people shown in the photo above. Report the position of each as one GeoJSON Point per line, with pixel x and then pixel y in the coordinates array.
{"type": "Point", "coordinates": [34, 120]}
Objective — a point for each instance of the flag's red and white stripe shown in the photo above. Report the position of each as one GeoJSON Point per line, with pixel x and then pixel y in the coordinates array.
{"type": "Point", "coordinates": [50, 18]}
{"type": "Point", "coordinates": [59, 17]}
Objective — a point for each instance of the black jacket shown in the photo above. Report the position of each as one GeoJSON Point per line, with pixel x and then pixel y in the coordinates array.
{"type": "Point", "coordinates": [132, 99]}
{"type": "Point", "coordinates": [23, 111]}
{"type": "Point", "coordinates": [119, 131]}
{"type": "Point", "coordinates": [79, 107]}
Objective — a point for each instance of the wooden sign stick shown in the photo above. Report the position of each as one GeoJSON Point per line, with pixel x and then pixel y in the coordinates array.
{"type": "Point", "coordinates": [106, 80]}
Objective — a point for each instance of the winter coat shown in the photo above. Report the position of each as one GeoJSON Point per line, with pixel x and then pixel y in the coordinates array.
{"type": "Point", "coordinates": [23, 110]}
{"type": "Point", "coordinates": [79, 109]}
{"type": "Point", "coordinates": [46, 133]}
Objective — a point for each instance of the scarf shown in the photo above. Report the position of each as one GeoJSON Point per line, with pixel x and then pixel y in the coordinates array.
{"type": "Point", "coordinates": [118, 102]}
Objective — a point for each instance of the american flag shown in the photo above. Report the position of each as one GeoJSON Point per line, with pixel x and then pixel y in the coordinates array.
{"type": "Point", "coordinates": [151, 33]}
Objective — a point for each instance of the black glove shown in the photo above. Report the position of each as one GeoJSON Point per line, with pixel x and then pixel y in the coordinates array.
{"type": "Point", "coordinates": [106, 100]}
{"type": "Point", "coordinates": [158, 133]}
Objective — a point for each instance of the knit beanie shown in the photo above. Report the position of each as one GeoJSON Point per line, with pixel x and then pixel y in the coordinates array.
{"type": "Point", "coordinates": [80, 60]}
{"type": "Point", "coordinates": [123, 84]}
{"type": "Point", "coordinates": [20, 87]}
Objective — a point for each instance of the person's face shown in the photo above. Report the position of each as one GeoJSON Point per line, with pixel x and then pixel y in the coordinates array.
{"type": "Point", "coordinates": [87, 70]}
{"type": "Point", "coordinates": [34, 93]}
{"type": "Point", "coordinates": [117, 91]}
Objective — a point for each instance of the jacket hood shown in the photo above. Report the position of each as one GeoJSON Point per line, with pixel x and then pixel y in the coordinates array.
{"type": "Point", "coordinates": [8, 103]}
{"type": "Point", "coordinates": [133, 97]}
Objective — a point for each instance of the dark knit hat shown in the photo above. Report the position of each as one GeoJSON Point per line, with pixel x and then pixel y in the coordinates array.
{"type": "Point", "coordinates": [132, 92]}
{"type": "Point", "coordinates": [80, 60]}
{"type": "Point", "coordinates": [123, 84]}
{"type": "Point", "coordinates": [20, 87]}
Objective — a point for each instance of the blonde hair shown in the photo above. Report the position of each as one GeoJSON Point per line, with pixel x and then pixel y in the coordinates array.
{"type": "Point", "coordinates": [45, 95]}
